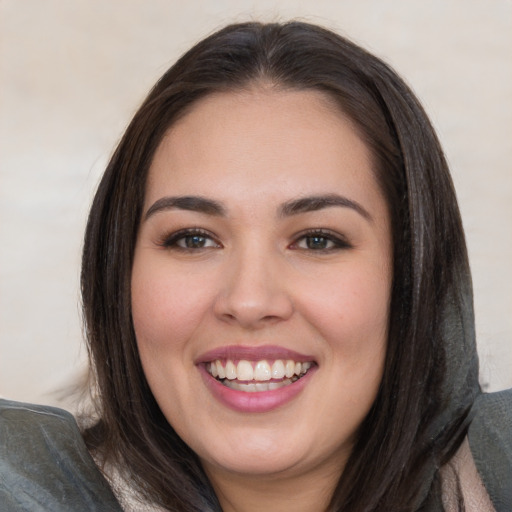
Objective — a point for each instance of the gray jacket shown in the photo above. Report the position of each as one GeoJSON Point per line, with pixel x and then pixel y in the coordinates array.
{"type": "Point", "coordinates": [45, 465]}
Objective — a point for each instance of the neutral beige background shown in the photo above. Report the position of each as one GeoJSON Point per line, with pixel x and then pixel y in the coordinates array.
{"type": "Point", "coordinates": [72, 73]}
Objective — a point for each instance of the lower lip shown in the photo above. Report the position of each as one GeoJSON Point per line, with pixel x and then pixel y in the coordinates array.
{"type": "Point", "coordinates": [259, 401]}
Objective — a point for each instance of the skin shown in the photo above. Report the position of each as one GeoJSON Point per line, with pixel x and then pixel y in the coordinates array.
{"type": "Point", "coordinates": [256, 281]}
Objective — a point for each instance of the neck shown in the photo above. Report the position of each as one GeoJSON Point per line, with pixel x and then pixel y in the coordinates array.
{"type": "Point", "coordinates": [309, 492]}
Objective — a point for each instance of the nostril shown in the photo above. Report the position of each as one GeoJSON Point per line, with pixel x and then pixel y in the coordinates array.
{"type": "Point", "coordinates": [251, 312]}
{"type": "Point", "coordinates": [253, 293]}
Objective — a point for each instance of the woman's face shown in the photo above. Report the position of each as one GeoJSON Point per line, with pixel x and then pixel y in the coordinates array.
{"type": "Point", "coordinates": [261, 282]}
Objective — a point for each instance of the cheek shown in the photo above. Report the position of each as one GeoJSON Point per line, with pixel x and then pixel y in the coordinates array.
{"type": "Point", "coordinates": [166, 306]}
{"type": "Point", "coordinates": [351, 309]}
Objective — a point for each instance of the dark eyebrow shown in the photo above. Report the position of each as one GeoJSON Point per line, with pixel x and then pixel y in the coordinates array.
{"type": "Point", "coordinates": [313, 203]}
{"type": "Point", "coordinates": [191, 203]}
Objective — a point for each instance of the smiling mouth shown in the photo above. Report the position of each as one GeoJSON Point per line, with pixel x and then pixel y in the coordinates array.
{"type": "Point", "coordinates": [257, 376]}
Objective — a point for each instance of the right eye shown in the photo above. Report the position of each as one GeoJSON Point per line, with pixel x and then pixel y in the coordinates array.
{"type": "Point", "coordinates": [190, 239]}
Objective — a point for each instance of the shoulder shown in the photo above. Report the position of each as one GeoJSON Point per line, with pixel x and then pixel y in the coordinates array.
{"type": "Point", "coordinates": [44, 463]}
{"type": "Point", "coordinates": [490, 440]}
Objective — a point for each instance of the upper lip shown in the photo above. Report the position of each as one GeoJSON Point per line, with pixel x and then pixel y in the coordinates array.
{"type": "Point", "coordinates": [237, 352]}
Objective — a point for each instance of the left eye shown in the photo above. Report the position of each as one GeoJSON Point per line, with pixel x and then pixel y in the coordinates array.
{"type": "Point", "coordinates": [319, 242]}
{"type": "Point", "coordinates": [316, 242]}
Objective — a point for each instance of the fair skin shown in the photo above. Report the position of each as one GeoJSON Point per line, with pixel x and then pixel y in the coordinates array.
{"type": "Point", "coordinates": [283, 254]}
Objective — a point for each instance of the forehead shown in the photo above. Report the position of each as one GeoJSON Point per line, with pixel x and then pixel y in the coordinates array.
{"type": "Point", "coordinates": [262, 141]}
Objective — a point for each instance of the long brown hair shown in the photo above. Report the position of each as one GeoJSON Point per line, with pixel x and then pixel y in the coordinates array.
{"type": "Point", "coordinates": [421, 411]}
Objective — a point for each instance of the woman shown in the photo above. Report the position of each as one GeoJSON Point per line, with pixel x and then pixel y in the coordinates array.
{"type": "Point", "coordinates": [277, 294]}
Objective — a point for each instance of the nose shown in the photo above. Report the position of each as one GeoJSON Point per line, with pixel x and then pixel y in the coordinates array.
{"type": "Point", "coordinates": [254, 291]}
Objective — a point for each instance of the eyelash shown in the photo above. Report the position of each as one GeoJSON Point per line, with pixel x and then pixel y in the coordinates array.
{"type": "Point", "coordinates": [172, 240]}
{"type": "Point", "coordinates": [335, 241]}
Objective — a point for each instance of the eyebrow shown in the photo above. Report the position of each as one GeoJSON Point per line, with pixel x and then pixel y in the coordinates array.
{"type": "Point", "coordinates": [293, 207]}
{"type": "Point", "coordinates": [191, 203]}
{"type": "Point", "coordinates": [314, 203]}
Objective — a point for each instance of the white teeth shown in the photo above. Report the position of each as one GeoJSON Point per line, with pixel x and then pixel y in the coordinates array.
{"type": "Point", "coordinates": [290, 368]}
{"type": "Point", "coordinates": [262, 371]}
{"type": "Point", "coordinates": [278, 370]}
{"type": "Point", "coordinates": [230, 370]}
{"type": "Point", "coordinates": [220, 370]}
{"type": "Point", "coordinates": [244, 370]}
{"type": "Point", "coordinates": [255, 387]}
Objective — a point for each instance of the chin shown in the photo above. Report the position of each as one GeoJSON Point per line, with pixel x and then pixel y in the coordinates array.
{"type": "Point", "coordinates": [259, 455]}
{"type": "Point", "coordinates": [249, 464]}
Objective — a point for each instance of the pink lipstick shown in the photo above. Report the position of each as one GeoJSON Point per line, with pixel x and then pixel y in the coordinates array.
{"type": "Point", "coordinates": [255, 379]}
